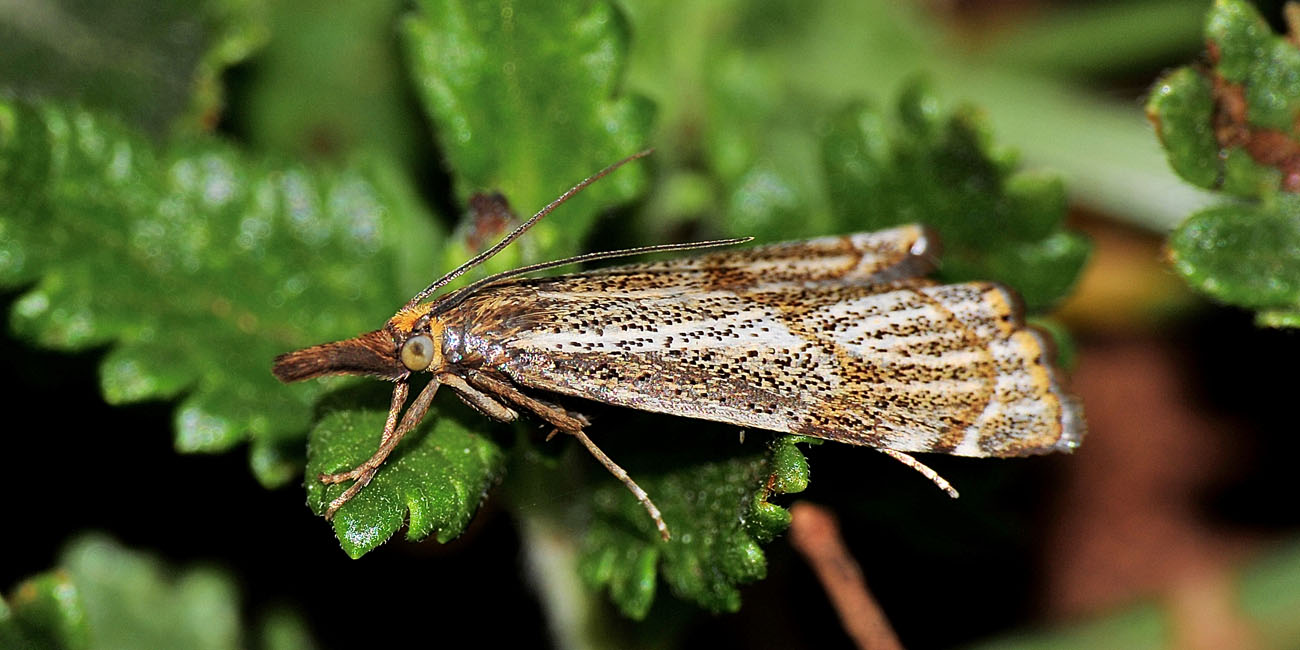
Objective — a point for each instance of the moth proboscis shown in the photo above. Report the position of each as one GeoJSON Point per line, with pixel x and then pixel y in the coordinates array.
{"type": "Point", "coordinates": [841, 338]}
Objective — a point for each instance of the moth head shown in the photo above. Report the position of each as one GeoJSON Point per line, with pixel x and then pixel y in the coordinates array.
{"type": "Point", "coordinates": [409, 342]}
{"type": "Point", "coordinates": [418, 336]}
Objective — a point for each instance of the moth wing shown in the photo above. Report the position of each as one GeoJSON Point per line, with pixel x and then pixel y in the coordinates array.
{"type": "Point", "coordinates": [861, 258]}
{"type": "Point", "coordinates": [947, 368]}
{"type": "Point", "coordinates": [909, 365]}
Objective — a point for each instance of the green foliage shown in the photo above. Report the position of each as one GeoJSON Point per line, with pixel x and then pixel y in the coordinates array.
{"type": "Point", "coordinates": [1232, 128]}
{"type": "Point", "coordinates": [106, 597]}
{"type": "Point", "coordinates": [434, 481]}
{"type": "Point", "coordinates": [1182, 106]}
{"type": "Point", "coordinates": [329, 82]}
{"type": "Point", "coordinates": [1257, 96]}
{"type": "Point", "coordinates": [719, 514]}
{"type": "Point", "coordinates": [942, 170]}
{"type": "Point", "coordinates": [1244, 255]}
{"type": "Point", "coordinates": [524, 99]}
{"type": "Point", "coordinates": [740, 85]}
{"type": "Point", "coordinates": [198, 264]}
{"type": "Point", "coordinates": [783, 167]}
{"type": "Point", "coordinates": [1266, 66]}
{"type": "Point", "coordinates": [156, 63]}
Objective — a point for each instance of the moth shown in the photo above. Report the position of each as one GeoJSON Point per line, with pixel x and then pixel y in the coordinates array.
{"type": "Point", "coordinates": [840, 338]}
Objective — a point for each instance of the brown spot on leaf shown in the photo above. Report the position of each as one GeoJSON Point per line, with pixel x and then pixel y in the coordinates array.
{"type": "Point", "coordinates": [490, 216]}
{"type": "Point", "coordinates": [1269, 147]}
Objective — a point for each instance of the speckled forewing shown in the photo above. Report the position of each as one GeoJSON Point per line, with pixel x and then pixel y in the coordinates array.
{"type": "Point", "coordinates": [862, 258]}
{"type": "Point", "coordinates": [901, 364]}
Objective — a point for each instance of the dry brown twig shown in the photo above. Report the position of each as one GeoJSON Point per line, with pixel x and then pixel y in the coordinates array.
{"type": "Point", "coordinates": [815, 533]}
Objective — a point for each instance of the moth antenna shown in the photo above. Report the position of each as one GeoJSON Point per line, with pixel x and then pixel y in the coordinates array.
{"type": "Point", "coordinates": [469, 289]}
{"type": "Point", "coordinates": [483, 257]}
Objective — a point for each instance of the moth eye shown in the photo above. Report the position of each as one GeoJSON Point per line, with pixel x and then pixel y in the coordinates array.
{"type": "Point", "coordinates": [417, 352]}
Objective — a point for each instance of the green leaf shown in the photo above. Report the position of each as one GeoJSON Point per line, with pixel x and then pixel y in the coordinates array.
{"type": "Point", "coordinates": [433, 481]}
{"type": "Point", "coordinates": [1266, 65]}
{"type": "Point", "coordinates": [785, 177]}
{"type": "Point", "coordinates": [921, 166]}
{"type": "Point", "coordinates": [106, 597]}
{"type": "Point", "coordinates": [765, 160]}
{"type": "Point", "coordinates": [1278, 318]}
{"type": "Point", "coordinates": [198, 265]}
{"type": "Point", "coordinates": [45, 612]}
{"type": "Point", "coordinates": [719, 513]}
{"type": "Point", "coordinates": [284, 630]}
{"type": "Point", "coordinates": [330, 82]}
{"type": "Point", "coordinates": [156, 63]}
{"type": "Point", "coordinates": [1244, 255]}
{"type": "Point", "coordinates": [525, 100]}
{"type": "Point", "coordinates": [1232, 127]}
{"type": "Point", "coordinates": [1181, 107]}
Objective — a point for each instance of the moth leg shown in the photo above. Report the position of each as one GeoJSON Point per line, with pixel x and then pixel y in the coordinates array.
{"type": "Point", "coordinates": [366, 471]}
{"type": "Point", "coordinates": [552, 414]}
{"type": "Point", "coordinates": [621, 474]}
{"type": "Point", "coordinates": [557, 430]}
{"type": "Point", "coordinates": [923, 469]}
{"type": "Point", "coordinates": [478, 400]}
{"type": "Point", "coordinates": [572, 424]}
{"type": "Point", "coordinates": [400, 391]}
